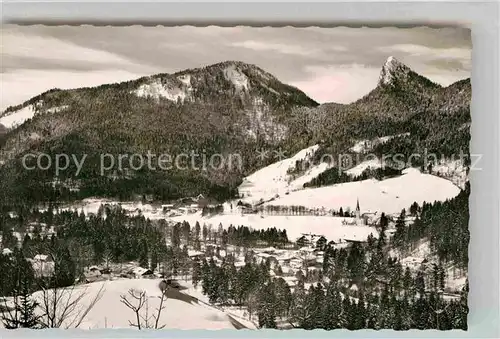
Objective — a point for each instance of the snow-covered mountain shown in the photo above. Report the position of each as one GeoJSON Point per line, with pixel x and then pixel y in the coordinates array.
{"type": "Point", "coordinates": [16, 118]}
{"type": "Point", "coordinates": [226, 108]}
{"type": "Point", "coordinates": [392, 70]}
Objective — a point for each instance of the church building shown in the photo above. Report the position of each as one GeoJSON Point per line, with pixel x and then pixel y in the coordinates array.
{"type": "Point", "coordinates": [360, 219]}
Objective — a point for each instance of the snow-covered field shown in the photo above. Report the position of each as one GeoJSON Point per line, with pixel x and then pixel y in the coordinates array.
{"type": "Point", "coordinates": [110, 312]}
{"type": "Point", "coordinates": [330, 227]}
{"type": "Point", "coordinates": [389, 196]}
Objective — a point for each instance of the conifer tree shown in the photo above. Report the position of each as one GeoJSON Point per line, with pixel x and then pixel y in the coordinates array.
{"type": "Point", "coordinates": [27, 307]}
{"type": "Point", "coordinates": [197, 230]}
{"type": "Point", "coordinates": [361, 313]}
{"type": "Point", "coordinates": [266, 306]}
{"type": "Point", "coordinates": [333, 308]}
{"type": "Point", "coordinates": [64, 268]}
{"type": "Point", "coordinates": [23, 314]}
{"type": "Point", "coordinates": [143, 256]}
{"type": "Point", "coordinates": [420, 283]}
{"type": "Point", "coordinates": [400, 235]}
{"type": "Point", "coordinates": [197, 272]}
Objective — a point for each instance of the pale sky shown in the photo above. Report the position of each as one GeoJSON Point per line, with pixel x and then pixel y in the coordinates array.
{"type": "Point", "coordinates": [329, 64]}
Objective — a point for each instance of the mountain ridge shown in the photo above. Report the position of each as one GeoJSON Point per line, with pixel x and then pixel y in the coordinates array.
{"type": "Point", "coordinates": [174, 77]}
{"type": "Point", "coordinates": [386, 71]}
{"type": "Point", "coordinates": [222, 108]}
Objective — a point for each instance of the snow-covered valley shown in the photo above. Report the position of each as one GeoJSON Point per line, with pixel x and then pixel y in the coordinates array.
{"type": "Point", "coordinates": [222, 178]}
{"type": "Point", "coordinates": [315, 226]}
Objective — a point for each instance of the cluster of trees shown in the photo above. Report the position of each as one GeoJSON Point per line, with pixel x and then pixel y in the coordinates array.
{"type": "Point", "coordinates": [445, 224]}
{"type": "Point", "coordinates": [244, 236]}
{"type": "Point", "coordinates": [55, 304]}
{"type": "Point", "coordinates": [289, 210]}
{"type": "Point", "coordinates": [112, 235]}
{"type": "Point", "coordinates": [39, 186]}
{"type": "Point", "coordinates": [444, 135]}
{"type": "Point", "coordinates": [250, 286]}
{"type": "Point", "coordinates": [211, 210]}
{"type": "Point", "coordinates": [387, 295]}
{"type": "Point", "coordinates": [300, 210]}
{"type": "Point", "coordinates": [402, 301]}
{"type": "Point", "coordinates": [240, 236]}
{"type": "Point", "coordinates": [325, 307]}
{"type": "Point", "coordinates": [335, 175]}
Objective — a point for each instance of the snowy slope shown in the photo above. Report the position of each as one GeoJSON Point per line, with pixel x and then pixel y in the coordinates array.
{"type": "Point", "coordinates": [453, 170]}
{"type": "Point", "coordinates": [367, 145]}
{"type": "Point", "coordinates": [389, 196]}
{"type": "Point", "coordinates": [156, 90]}
{"type": "Point", "coordinates": [360, 168]}
{"type": "Point", "coordinates": [109, 312]}
{"type": "Point", "coordinates": [274, 179]}
{"type": "Point", "coordinates": [422, 258]}
{"type": "Point", "coordinates": [236, 77]}
{"type": "Point", "coordinates": [18, 117]}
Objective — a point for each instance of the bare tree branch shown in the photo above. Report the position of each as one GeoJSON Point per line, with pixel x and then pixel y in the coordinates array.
{"type": "Point", "coordinates": [10, 315]}
{"type": "Point", "coordinates": [160, 308]}
{"type": "Point", "coordinates": [140, 298]}
{"type": "Point", "coordinates": [138, 301]}
{"type": "Point", "coordinates": [63, 307]}
{"type": "Point", "coordinates": [84, 312]}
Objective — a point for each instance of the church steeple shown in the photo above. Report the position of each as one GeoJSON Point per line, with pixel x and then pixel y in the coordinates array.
{"type": "Point", "coordinates": [358, 214]}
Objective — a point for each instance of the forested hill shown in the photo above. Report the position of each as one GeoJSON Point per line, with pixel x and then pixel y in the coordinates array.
{"type": "Point", "coordinates": [226, 108]}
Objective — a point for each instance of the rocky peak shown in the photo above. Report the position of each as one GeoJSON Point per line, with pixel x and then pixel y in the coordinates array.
{"type": "Point", "coordinates": [392, 69]}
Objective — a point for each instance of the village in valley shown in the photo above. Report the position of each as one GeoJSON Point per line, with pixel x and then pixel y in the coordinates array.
{"type": "Point", "coordinates": [201, 231]}
{"type": "Point", "coordinates": [144, 186]}
{"type": "Point", "coordinates": [303, 253]}
{"type": "Point", "coordinates": [355, 241]}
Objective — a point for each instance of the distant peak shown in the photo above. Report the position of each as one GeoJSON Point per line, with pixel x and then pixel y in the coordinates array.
{"type": "Point", "coordinates": [392, 62]}
{"type": "Point", "coordinates": [392, 69]}
{"type": "Point", "coordinates": [232, 64]}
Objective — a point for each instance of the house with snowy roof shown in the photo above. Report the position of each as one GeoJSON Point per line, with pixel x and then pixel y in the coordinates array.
{"type": "Point", "coordinates": [93, 273]}
{"type": "Point", "coordinates": [246, 188]}
{"type": "Point", "coordinates": [193, 254]}
{"type": "Point", "coordinates": [141, 272]}
{"type": "Point", "coordinates": [43, 266]}
{"type": "Point", "coordinates": [6, 251]}
{"type": "Point", "coordinates": [41, 257]}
